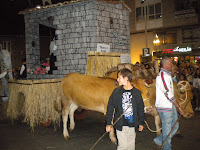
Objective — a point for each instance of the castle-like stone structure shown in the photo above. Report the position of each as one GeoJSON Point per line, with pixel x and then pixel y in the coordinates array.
{"type": "Point", "coordinates": [79, 27]}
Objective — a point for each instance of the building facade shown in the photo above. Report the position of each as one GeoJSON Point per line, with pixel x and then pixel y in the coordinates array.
{"type": "Point", "coordinates": [168, 27]}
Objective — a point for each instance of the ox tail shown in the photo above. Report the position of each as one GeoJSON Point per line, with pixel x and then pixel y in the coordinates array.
{"type": "Point", "coordinates": [58, 103]}
{"type": "Point", "coordinates": [151, 129]}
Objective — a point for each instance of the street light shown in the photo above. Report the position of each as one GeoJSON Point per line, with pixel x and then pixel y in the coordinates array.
{"type": "Point", "coordinates": [156, 41]}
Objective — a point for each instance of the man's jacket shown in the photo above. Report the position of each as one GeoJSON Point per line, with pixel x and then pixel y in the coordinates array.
{"type": "Point", "coordinates": [164, 91]}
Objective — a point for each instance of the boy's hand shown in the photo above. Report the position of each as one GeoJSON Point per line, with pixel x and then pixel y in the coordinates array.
{"type": "Point", "coordinates": [108, 128]}
{"type": "Point", "coordinates": [141, 127]}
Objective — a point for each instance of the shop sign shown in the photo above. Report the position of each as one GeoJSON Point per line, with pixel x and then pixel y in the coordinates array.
{"type": "Point", "coordinates": [125, 58]}
{"type": "Point", "coordinates": [167, 51]}
{"type": "Point", "coordinates": [146, 52]}
{"type": "Point", "coordinates": [178, 49]}
{"type": "Point", "coordinates": [103, 47]}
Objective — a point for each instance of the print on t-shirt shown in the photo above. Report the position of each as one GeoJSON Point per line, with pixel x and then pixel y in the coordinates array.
{"type": "Point", "coordinates": [126, 101]}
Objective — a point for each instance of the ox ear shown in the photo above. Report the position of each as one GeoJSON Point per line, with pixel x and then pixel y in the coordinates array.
{"type": "Point", "coordinates": [116, 83]}
{"type": "Point", "coordinates": [148, 81]}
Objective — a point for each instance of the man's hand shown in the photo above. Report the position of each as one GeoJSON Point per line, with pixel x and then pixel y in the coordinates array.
{"type": "Point", "coordinates": [9, 70]}
{"type": "Point", "coordinates": [141, 127]}
{"type": "Point", "coordinates": [108, 128]}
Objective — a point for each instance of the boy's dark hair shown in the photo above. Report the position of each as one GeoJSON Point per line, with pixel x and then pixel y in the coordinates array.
{"type": "Point", "coordinates": [126, 73]}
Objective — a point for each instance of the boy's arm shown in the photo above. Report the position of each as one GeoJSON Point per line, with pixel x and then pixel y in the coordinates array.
{"type": "Point", "coordinates": [110, 110]}
{"type": "Point", "coordinates": [141, 116]}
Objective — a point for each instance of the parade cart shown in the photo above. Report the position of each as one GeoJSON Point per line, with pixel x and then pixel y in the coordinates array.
{"type": "Point", "coordinates": [34, 100]}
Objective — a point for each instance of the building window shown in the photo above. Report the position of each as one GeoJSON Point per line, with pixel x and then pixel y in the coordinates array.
{"type": "Point", "coordinates": [186, 4]}
{"type": "Point", "coordinates": [168, 37]}
{"type": "Point", "coordinates": [158, 10]}
{"type": "Point", "coordinates": [153, 11]}
{"type": "Point", "coordinates": [7, 45]}
{"type": "Point", "coordinates": [191, 35]}
{"type": "Point", "coordinates": [140, 13]}
{"type": "Point", "coordinates": [111, 23]}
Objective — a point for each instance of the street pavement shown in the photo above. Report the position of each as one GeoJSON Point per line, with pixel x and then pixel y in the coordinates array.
{"type": "Point", "coordinates": [18, 136]}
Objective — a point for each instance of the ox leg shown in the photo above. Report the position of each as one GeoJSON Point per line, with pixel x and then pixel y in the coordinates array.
{"type": "Point", "coordinates": [112, 136]}
{"type": "Point", "coordinates": [65, 112]}
{"type": "Point", "coordinates": [158, 124]}
{"type": "Point", "coordinates": [72, 109]}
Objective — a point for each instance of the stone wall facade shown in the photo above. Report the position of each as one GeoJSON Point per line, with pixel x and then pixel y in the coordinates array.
{"type": "Point", "coordinates": [79, 27]}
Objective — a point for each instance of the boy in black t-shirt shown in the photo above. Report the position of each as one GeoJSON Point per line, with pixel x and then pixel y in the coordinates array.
{"type": "Point", "coordinates": [128, 100]}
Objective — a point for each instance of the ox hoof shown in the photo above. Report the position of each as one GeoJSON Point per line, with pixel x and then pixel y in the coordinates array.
{"type": "Point", "coordinates": [66, 138]}
{"type": "Point", "coordinates": [71, 130]}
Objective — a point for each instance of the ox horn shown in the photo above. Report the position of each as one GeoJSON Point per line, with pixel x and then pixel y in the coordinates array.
{"type": "Point", "coordinates": [182, 86]}
{"type": "Point", "coordinates": [147, 85]}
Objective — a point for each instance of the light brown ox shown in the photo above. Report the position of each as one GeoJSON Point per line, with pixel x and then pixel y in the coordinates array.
{"type": "Point", "coordinates": [90, 93]}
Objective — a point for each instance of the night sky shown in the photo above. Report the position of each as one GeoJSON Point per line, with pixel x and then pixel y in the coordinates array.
{"type": "Point", "coordinates": [10, 22]}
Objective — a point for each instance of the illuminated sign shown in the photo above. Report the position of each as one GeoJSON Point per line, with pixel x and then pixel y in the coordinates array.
{"type": "Point", "coordinates": [167, 51]}
{"type": "Point", "coordinates": [178, 49]}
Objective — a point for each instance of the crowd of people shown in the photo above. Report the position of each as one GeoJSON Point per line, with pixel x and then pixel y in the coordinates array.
{"type": "Point", "coordinates": [185, 71]}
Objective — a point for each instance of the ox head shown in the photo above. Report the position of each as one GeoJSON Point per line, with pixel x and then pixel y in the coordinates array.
{"type": "Point", "coordinates": [140, 85]}
{"type": "Point", "coordinates": [183, 94]}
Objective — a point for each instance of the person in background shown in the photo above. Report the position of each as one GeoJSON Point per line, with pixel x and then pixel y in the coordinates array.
{"type": "Point", "coordinates": [182, 77]}
{"type": "Point", "coordinates": [166, 103]}
{"type": "Point", "coordinates": [175, 76]}
{"type": "Point", "coordinates": [3, 74]}
{"type": "Point", "coordinates": [52, 59]}
{"type": "Point", "coordinates": [23, 70]}
{"type": "Point", "coordinates": [188, 74]}
{"type": "Point", "coordinates": [128, 100]}
{"type": "Point", "coordinates": [15, 72]}
{"type": "Point", "coordinates": [196, 85]}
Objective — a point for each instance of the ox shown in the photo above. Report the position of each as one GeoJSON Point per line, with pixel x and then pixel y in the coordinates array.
{"type": "Point", "coordinates": [90, 93]}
